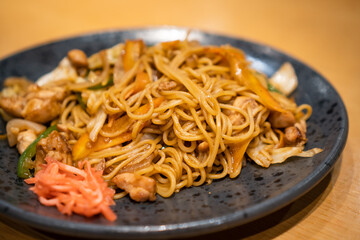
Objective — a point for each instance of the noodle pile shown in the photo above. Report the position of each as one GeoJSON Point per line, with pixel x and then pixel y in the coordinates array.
{"type": "Point", "coordinates": [166, 140]}
{"type": "Point", "coordinates": [177, 112]}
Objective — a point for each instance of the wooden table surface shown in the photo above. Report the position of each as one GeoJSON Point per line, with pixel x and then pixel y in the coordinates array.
{"type": "Point", "coordinates": [324, 34]}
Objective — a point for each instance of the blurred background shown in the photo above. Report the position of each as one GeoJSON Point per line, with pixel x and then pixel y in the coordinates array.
{"type": "Point", "coordinates": [323, 34]}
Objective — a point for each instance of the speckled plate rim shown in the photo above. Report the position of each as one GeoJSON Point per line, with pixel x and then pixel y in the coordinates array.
{"type": "Point", "coordinates": [193, 227]}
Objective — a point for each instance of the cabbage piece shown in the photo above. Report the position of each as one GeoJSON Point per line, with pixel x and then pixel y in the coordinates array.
{"type": "Point", "coordinates": [64, 71]}
{"type": "Point", "coordinates": [112, 55]}
{"type": "Point", "coordinates": [285, 79]}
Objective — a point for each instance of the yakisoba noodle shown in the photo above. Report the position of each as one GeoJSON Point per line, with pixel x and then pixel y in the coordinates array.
{"type": "Point", "coordinates": [179, 113]}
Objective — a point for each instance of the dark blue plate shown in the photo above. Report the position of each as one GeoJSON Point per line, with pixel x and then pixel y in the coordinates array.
{"type": "Point", "coordinates": [221, 205]}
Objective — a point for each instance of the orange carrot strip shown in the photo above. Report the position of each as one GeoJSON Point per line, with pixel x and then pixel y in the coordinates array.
{"type": "Point", "coordinates": [238, 150]}
{"type": "Point", "coordinates": [171, 44]}
{"type": "Point", "coordinates": [141, 80]}
{"type": "Point", "coordinates": [73, 190]}
{"type": "Point", "coordinates": [240, 71]}
{"type": "Point", "coordinates": [132, 52]}
{"type": "Point", "coordinates": [254, 85]}
{"type": "Point", "coordinates": [146, 107]}
{"type": "Point", "coordinates": [83, 147]}
{"type": "Point", "coordinates": [103, 142]}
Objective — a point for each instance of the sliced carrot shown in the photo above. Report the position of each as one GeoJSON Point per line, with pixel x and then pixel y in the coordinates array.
{"type": "Point", "coordinates": [83, 147]}
{"type": "Point", "coordinates": [141, 80]}
{"type": "Point", "coordinates": [132, 52]}
{"type": "Point", "coordinates": [112, 119]}
{"type": "Point", "coordinates": [73, 190]}
{"type": "Point", "coordinates": [146, 107]}
{"type": "Point", "coordinates": [170, 44]}
{"type": "Point", "coordinates": [241, 72]}
{"type": "Point", "coordinates": [238, 151]}
{"type": "Point", "coordinates": [103, 142]}
{"type": "Point", "coordinates": [249, 80]}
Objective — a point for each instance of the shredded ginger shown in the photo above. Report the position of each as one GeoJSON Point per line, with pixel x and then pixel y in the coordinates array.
{"type": "Point", "coordinates": [82, 191]}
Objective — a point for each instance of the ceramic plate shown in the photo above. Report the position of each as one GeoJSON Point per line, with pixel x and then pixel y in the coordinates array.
{"type": "Point", "coordinates": [223, 204]}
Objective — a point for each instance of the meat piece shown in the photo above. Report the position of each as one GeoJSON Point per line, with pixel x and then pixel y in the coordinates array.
{"type": "Point", "coordinates": [192, 61]}
{"type": "Point", "coordinates": [295, 135]}
{"type": "Point", "coordinates": [77, 58]}
{"type": "Point", "coordinates": [12, 98]}
{"type": "Point", "coordinates": [203, 147]}
{"type": "Point", "coordinates": [13, 105]}
{"type": "Point", "coordinates": [54, 146]}
{"type": "Point", "coordinates": [100, 166]}
{"type": "Point", "coordinates": [236, 119]}
{"type": "Point", "coordinates": [37, 104]}
{"type": "Point", "coordinates": [167, 85]}
{"type": "Point", "coordinates": [43, 105]}
{"type": "Point", "coordinates": [24, 139]}
{"type": "Point", "coordinates": [140, 188]}
{"type": "Point", "coordinates": [53, 93]}
{"type": "Point", "coordinates": [242, 102]}
{"type": "Point", "coordinates": [292, 134]}
{"type": "Point", "coordinates": [282, 119]}
{"type": "Point", "coordinates": [41, 111]}
{"type": "Point", "coordinates": [15, 86]}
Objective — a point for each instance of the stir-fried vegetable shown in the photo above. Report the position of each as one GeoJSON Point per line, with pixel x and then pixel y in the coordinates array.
{"type": "Point", "coordinates": [25, 161]}
{"type": "Point", "coordinates": [271, 88]}
{"type": "Point", "coordinates": [141, 80]}
{"type": "Point", "coordinates": [84, 146]}
{"type": "Point", "coordinates": [238, 151]}
{"type": "Point", "coordinates": [80, 101]}
{"type": "Point", "coordinates": [241, 72]}
{"type": "Point", "coordinates": [249, 80]}
{"type": "Point", "coordinates": [132, 52]}
{"type": "Point", "coordinates": [284, 79]}
{"type": "Point", "coordinates": [109, 83]}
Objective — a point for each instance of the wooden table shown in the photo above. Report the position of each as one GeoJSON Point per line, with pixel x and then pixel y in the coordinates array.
{"type": "Point", "coordinates": [324, 34]}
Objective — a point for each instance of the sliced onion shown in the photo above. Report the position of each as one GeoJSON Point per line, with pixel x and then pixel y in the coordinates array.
{"type": "Point", "coordinates": [136, 165]}
{"type": "Point", "coordinates": [96, 124]}
{"type": "Point", "coordinates": [112, 55]}
{"type": "Point", "coordinates": [16, 125]}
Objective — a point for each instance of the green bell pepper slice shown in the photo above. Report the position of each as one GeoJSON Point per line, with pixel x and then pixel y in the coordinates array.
{"type": "Point", "coordinates": [25, 160]}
